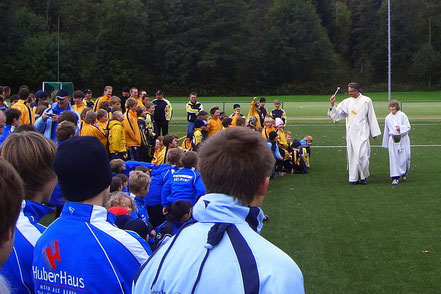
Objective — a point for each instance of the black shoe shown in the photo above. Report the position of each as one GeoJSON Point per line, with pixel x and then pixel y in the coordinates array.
{"type": "Point", "coordinates": [363, 182]}
{"type": "Point", "coordinates": [354, 183]}
{"type": "Point", "coordinates": [265, 218]}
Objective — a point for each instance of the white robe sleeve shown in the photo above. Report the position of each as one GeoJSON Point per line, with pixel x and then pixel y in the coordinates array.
{"type": "Point", "coordinates": [385, 134]}
{"type": "Point", "coordinates": [338, 112]}
{"type": "Point", "coordinates": [373, 123]}
{"type": "Point", "coordinates": [404, 124]}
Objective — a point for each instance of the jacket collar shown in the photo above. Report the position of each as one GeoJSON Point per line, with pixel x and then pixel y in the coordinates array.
{"type": "Point", "coordinates": [86, 213]}
{"type": "Point", "coordinates": [34, 210]}
{"type": "Point", "coordinates": [221, 208]}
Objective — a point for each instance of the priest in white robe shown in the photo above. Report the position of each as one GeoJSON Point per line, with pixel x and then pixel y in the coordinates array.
{"type": "Point", "coordinates": [396, 139]}
{"type": "Point", "coordinates": [360, 122]}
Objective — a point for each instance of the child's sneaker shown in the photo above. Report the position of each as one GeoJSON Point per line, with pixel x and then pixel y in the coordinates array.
{"type": "Point", "coordinates": [404, 178]}
{"type": "Point", "coordinates": [395, 182]}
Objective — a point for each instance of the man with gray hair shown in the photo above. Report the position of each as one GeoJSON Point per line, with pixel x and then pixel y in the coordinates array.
{"type": "Point", "coordinates": [360, 121]}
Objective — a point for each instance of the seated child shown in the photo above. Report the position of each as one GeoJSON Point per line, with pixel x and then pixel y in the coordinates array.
{"type": "Point", "coordinates": [299, 164]}
{"type": "Point", "coordinates": [198, 137]}
{"type": "Point", "coordinates": [116, 185]}
{"type": "Point", "coordinates": [306, 143]}
{"type": "Point", "coordinates": [169, 142]}
{"type": "Point", "coordinates": [120, 199]}
{"type": "Point", "coordinates": [185, 184]}
{"type": "Point", "coordinates": [272, 144]}
{"type": "Point", "coordinates": [268, 127]}
{"type": "Point", "coordinates": [65, 130]}
{"type": "Point", "coordinates": [124, 182]}
{"type": "Point", "coordinates": [180, 212]}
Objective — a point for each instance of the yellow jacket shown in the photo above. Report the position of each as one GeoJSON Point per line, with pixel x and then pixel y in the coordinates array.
{"type": "Point", "coordinates": [282, 142]}
{"type": "Point", "coordinates": [133, 136]}
{"type": "Point", "coordinates": [266, 131]}
{"type": "Point", "coordinates": [254, 112]}
{"type": "Point", "coordinates": [159, 156]}
{"type": "Point", "coordinates": [214, 126]}
{"type": "Point", "coordinates": [27, 117]}
{"type": "Point", "coordinates": [93, 131]}
{"type": "Point", "coordinates": [79, 109]}
{"type": "Point", "coordinates": [117, 137]}
{"type": "Point", "coordinates": [99, 101]}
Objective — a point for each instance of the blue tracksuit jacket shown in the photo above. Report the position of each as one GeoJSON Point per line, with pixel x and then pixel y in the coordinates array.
{"type": "Point", "coordinates": [132, 164]}
{"type": "Point", "coordinates": [159, 177]}
{"type": "Point", "coordinates": [84, 252]}
{"type": "Point", "coordinates": [18, 268]}
{"type": "Point", "coordinates": [185, 184]}
{"type": "Point", "coordinates": [141, 211]}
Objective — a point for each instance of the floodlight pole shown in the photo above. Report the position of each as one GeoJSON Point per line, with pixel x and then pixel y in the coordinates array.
{"type": "Point", "coordinates": [389, 75]}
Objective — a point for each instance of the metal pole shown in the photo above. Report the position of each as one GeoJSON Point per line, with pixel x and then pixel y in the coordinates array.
{"type": "Point", "coordinates": [58, 67]}
{"type": "Point", "coordinates": [389, 74]}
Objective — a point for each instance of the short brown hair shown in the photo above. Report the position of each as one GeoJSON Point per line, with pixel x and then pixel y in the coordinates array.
{"type": "Point", "coordinates": [84, 112]}
{"type": "Point", "coordinates": [114, 99]}
{"type": "Point", "coordinates": [104, 105]}
{"type": "Point", "coordinates": [65, 130]}
{"type": "Point", "coordinates": [395, 103]}
{"type": "Point", "coordinates": [130, 103]}
{"type": "Point", "coordinates": [11, 196]}
{"type": "Point", "coordinates": [117, 165]}
{"type": "Point", "coordinates": [148, 105]}
{"type": "Point", "coordinates": [69, 116]}
{"type": "Point", "coordinates": [226, 122]}
{"type": "Point", "coordinates": [240, 121]}
{"type": "Point", "coordinates": [90, 117]}
{"type": "Point", "coordinates": [189, 159]}
{"type": "Point", "coordinates": [167, 140]}
{"type": "Point", "coordinates": [140, 109]}
{"type": "Point", "coordinates": [32, 155]}
{"type": "Point", "coordinates": [137, 181]}
{"type": "Point", "coordinates": [23, 94]}
{"type": "Point", "coordinates": [101, 113]}
{"type": "Point", "coordinates": [239, 173]}
{"type": "Point", "coordinates": [213, 109]}
{"type": "Point", "coordinates": [78, 94]}
{"type": "Point", "coordinates": [174, 156]}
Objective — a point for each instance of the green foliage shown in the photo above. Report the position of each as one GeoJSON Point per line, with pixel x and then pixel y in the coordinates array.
{"type": "Point", "coordinates": [219, 47]}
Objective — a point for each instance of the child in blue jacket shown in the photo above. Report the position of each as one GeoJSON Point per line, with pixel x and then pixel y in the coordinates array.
{"type": "Point", "coordinates": [185, 184]}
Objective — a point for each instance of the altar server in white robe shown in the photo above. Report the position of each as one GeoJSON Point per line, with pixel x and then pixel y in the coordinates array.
{"type": "Point", "coordinates": [360, 121]}
{"type": "Point", "coordinates": [396, 139]}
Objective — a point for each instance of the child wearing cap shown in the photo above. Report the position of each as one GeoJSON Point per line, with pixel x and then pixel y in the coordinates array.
{"type": "Point", "coordinates": [88, 98]}
{"type": "Point", "coordinates": [272, 144]}
{"type": "Point", "coordinates": [85, 230]}
{"type": "Point", "coordinates": [298, 158]}
{"type": "Point", "coordinates": [185, 184]}
{"type": "Point", "coordinates": [236, 114]}
{"type": "Point", "coordinates": [198, 137]}
{"type": "Point", "coordinates": [278, 111]}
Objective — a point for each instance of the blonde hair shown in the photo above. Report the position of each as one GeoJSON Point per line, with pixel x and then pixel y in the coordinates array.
{"type": "Point", "coordinates": [137, 181]}
{"type": "Point", "coordinates": [32, 156]}
{"type": "Point", "coordinates": [268, 119]}
{"type": "Point", "coordinates": [288, 133]}
{"type": "Point", "coordinates": [65, 130]}
{"type": "Point", "coordinates": [114, 100]}
{"type": "Point", "coordinates": [90, 117]}
{"type": "Point", "coordinates": [308, 138]}
{"type": "Point", "coordinates": [115, 199]}
{"type": "Point", "coordinates": [101, 113]}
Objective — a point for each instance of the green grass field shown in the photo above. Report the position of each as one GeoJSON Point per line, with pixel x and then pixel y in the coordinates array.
{"type": "Point", "coordinates": [359, 239]}
{"type": "Point", "coordinates": [415, 104]}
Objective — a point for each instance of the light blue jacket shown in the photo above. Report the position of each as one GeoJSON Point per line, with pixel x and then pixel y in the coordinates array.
{"type": "Point", "coordinates": [84, 252]}
{"type": "Point", "coordinates": [221, 253]}
{"type": "Point", "coordinates": [18, 268]}
{"type": "Point", "coordinates": [47, 127]}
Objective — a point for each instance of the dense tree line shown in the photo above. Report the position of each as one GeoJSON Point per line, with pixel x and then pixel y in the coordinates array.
{"type": "Point", "coordinates": [214, 47]}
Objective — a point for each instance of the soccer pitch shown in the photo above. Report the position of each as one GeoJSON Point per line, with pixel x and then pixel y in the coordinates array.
{"type": "Point", "coordinates": [377, 238]}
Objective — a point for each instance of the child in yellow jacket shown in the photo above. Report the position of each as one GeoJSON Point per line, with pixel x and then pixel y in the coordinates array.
{"type": "Point", "coordinates": [117, 137]}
